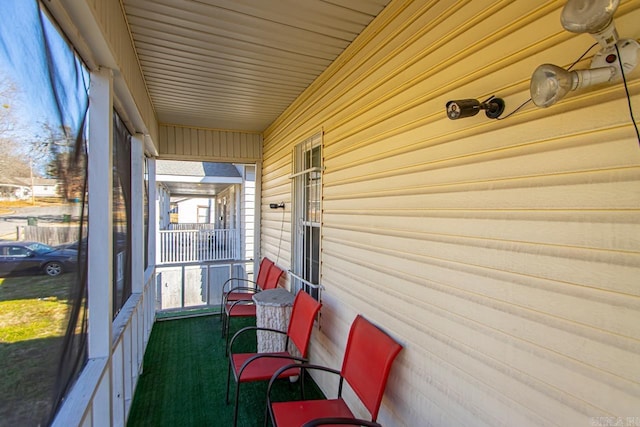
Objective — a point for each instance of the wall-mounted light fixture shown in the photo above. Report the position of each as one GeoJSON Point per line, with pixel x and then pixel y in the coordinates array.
{"type": "Point", "coordinates": [276, 205]}
{"type": "Point", "coordinates": [470, 107]}
{"type": "Point", "coordinates": [550, 83]}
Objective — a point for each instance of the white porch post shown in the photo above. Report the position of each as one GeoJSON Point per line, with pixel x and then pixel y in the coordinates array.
{"type": "Point", "coordinates": [153, 241]}
{"type": "Point", "coordinates": [100, 256]}
{"type": "Point", "coordinates": [154, 215]}
{"type": "Point", "coordinates": [137, 213]}
{"type": "Point", "coordinates": [257, 203]}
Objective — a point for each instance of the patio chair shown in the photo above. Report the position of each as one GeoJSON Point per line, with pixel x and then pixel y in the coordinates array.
{"type": "Point", "coordinates": [367, 361]}
{"type": "Point", "coordinates": [244, 292]}
{"type": "Point", "coordinates": [249, 367]}
{"type": "Point", "coordinates": [239, 288]}
{"type": "Point", "coordinates": [246, 307]}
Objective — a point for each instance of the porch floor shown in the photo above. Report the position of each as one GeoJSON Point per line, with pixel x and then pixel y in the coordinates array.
{"type": "Point", "coordinates": [184, 379]}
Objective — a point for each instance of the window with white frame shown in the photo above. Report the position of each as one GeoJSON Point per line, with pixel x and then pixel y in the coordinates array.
{"type": "Point", "coordinates": [307, 215]}
{"type": "Point", "coordinates": [203, 215]}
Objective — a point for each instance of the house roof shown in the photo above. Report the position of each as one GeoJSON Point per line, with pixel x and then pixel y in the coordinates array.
{"type": "Point", "coordinates": [193, 179]}
{"type": "Point", "coordinates": [26, 181]}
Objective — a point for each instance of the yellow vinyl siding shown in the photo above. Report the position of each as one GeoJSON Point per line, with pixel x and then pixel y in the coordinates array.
{"type": "Point", "coordinates": [212, 145]}
{"type": "Point", "coordinates": [504, 255]}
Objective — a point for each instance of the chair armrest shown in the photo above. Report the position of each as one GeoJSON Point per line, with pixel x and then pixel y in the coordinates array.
{"type": "Point", "coordinates": [240, 279]}
{"type": "Point", "coordinates": [247, 290]}
{"type": "Point", "coordinates": [251, 328]}
{"type": "Point", "coordinates": [271, 356]}
{"type": "Point", "coordinates": [250, 294]}
{"type": "Point", "coordinates": [344, 421]}
{"type": "Point", "coordinates": [303, 367]}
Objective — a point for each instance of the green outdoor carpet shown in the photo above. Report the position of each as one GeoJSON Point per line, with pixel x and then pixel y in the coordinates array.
{"type": "Point", "coordinates": [185, 374]}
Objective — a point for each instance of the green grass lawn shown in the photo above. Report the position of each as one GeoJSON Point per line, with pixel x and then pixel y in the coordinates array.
{"type": "Point", "coordinates": [33, 319]}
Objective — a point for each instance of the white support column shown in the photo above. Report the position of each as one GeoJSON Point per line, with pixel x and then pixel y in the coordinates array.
{"type": "Point", "coordinates": [154, 217]}
{"type": "Point", "coordinates": [100, 257]}
{"type": "Point", "coordinates": [153, 237]}
{"type": "Point", "coordinates": [250, 211]}
{"type": "Point", "coordinates": [257, 245]}
{"type": "Point", "coordinates": [137, 213]}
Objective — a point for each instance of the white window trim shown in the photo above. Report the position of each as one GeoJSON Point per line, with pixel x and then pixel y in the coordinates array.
{"type": "Point", "coordinates": [299, 211]}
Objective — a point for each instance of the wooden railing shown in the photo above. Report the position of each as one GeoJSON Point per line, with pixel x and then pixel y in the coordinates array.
{"type": "Point", "coordinates": [183, 246]}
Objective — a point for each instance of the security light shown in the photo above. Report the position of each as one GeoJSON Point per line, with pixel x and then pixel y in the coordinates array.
{"type": "Point", "coordinates": [550, 83]}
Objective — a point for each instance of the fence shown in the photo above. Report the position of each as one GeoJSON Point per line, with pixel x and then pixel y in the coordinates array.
{"type": "Point", "coordinates": [50, 235]}
{"type": "Point", "coordinates": [183, 246]}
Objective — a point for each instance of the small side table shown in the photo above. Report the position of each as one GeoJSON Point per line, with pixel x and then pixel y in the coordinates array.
{"type": "Point", "coordinates": [273, 310]}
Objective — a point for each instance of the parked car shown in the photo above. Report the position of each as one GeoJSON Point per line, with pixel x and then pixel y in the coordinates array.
{"type": "Point", "coordinates": [75, 245]}
{"type": "Point", "coordinates": [25, 257]}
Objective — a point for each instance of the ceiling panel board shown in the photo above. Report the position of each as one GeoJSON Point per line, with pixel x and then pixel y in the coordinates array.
{"type": "Point", "coordinates": [368, 7]}
{"type": "Point", "coordinates": [236, 52]}
{"type": "Point", "coordinates": [217, 69]}
{"type": "Point", "coordinates": [284, 37]}
{"type": "Point", "coordinates": [315, 16]}
{"type": "Point", "coordinates": [238, 64]}
{"type": "Point", "coordinates": [249, 85]}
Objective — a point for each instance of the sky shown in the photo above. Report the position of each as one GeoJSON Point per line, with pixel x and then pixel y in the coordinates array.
{"type": "Point", "coordinates": [36, 59]}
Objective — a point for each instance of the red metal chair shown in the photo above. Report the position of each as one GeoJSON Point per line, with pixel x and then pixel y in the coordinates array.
{"type": "Point", "coordinates": [239, 288]}
{"type": "Point", "coordinates": [367, 361]}
{"type": "Point", "coordinates": [249, 367]}
{"type": "Point", "coordinates": [246, 307]}
{"type": "Point", "coordinates": [244, 292]}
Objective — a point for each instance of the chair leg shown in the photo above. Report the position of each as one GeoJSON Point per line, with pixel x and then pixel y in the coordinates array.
{"type": "Point", "coordinates": [223, 321]}
{"type": "Point", "coordinates": [226, 343]}
{"type": "Point", "coordinates": [266, 415]}
{"type": "Point", "coordinates": [228, 381]}
{"type": "Point", "coordinates": [235, 412]}
{"type": "Point", "coordinates": [221, 325]}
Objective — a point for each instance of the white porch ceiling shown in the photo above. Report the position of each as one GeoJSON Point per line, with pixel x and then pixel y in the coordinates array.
{"type": "Point", "coordinates": [196, 189]}
{"type": "Point", "coordinates": [238, 64]}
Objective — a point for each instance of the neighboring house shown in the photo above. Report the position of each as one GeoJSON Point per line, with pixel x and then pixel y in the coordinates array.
{"type": "Point", "coordinates": [43, 187]}
{"type": "Point", "coordinates": [200, 192]}
{"type": "Point", "coordinates": [11, 190]}
{"type": "Point", "coordinates": [20, 188]}
{"type": "Point", "coordinates": [195, 210]}
{"type": "Point", "coordinates": [220, 194]}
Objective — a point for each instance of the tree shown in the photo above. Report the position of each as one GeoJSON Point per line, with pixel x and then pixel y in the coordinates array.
{"type": "Point", "coordinates": [64, 163]}
{"type": "Point", "coordinates": [7, 98]}
{"type": "Point", "coordinates": [12, 161]}
{"type": "Point", "coordinates": [37, 149]}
